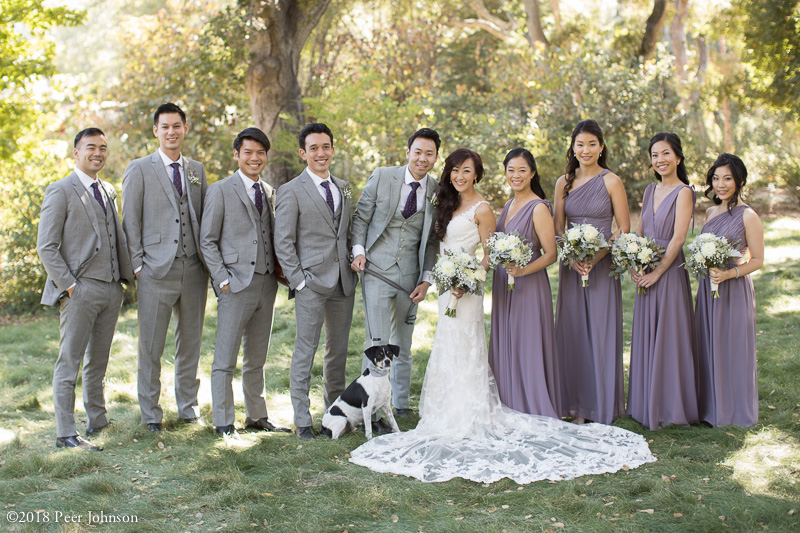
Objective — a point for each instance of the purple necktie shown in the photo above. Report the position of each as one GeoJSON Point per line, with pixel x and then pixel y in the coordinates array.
{"type": "Point", "coordinates": [411, 203]}
{"type": "Point", "coordinates": [328, 195]}
{"type": "Point", "coordinates": [98, 197]}
{"type": "Point", "coordinates": [259, 201]}
{"type": "Point", "coordinates": [176, 178]}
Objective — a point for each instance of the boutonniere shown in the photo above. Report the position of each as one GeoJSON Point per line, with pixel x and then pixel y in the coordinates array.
{"type": "Point", "coordinates": [273, 198]}
{"type": "Point", "coordinates": [111, 192]}
{"type": "Point", "coordinates": [193, 179]}
{"type": "Point", "coordinates": [434, 200]}
{"type": "Point", "coordinates": [347, 191]}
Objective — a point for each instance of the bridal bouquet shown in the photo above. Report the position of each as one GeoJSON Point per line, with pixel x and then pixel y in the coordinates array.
{"type": "Point", "coordinates": [457, 270]}
{"type": "Point", "coordinates": [631, 251]}
{"type": "Point", "coordinates": [508, 248]}
{"type": "Point", "coordinates": [710, 251]}
{"type": "Point", "coordinates": [580, 243]}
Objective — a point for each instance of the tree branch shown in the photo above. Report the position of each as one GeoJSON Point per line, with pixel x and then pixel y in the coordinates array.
{"type": "Point", "coordinates": [652, 29]}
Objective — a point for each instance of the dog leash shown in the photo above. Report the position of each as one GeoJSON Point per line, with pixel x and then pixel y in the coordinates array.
{"type": "Point", "coordinates": [409, 320]}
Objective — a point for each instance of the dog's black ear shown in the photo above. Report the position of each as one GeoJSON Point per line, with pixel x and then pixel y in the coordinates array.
{"type": "Point", "coordinates": [395, 349]}
{"type": "Point", "coordinates": [370, 352]}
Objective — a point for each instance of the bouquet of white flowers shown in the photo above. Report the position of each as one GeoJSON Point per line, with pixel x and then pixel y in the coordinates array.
{"type": "Point", "coordinates": [457, 270]}
{"type": "Point", "coordinates": [631, 251]}
{"type": "Point", "coordinates": [710, 251]}
{"type": "Point", "coordinates": [506, 249]}
{"type": "Point", "coordinates": [581, 242]}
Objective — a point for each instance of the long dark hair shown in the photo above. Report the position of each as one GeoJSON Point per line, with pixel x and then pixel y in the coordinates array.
{"type": "Point", "coordinates": [739, 172]}
{"type": "Point", "coordinates": [675, 143]}
{"type": "Point", "coordinates": [448, 195]}
{"type": "Point", "coordinates": [536, 186]}
{"type": "Point", "coordinates": [584, 126]}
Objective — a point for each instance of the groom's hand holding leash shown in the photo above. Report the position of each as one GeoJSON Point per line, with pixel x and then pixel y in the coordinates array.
{"type": "Point", "coordinates": [359, 263]}
{"type": "Point", "coordinates": [419, 293]}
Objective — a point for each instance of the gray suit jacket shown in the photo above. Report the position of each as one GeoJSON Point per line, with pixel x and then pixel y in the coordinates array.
{"type": "Point", "coordinates": [150, 213]}
{"type": "Point", "coordinates": [69, 235]}
{"type": "Point", "coordinates": [229, 232]}
{"type": "Point", "coordinates": [378, 204]}
{"type": "Point", "coordinates": [307, 244]}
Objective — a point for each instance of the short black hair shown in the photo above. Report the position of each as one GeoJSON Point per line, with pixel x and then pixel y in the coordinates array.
{"type": "Point", "coordinates": [254, 134]}
{"type": "Point", "coordinates": [169, 107]}
{"type": "Point", "coordinates": [426, 133]}
{"type": "Point", "coordinates": [314, 127]}
{"type": "Point", "coordinates": [88, 132]}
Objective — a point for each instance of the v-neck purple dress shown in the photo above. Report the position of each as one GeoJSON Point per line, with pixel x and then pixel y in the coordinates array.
{"type": "Point", "coordinates": [521, 344]}
{"type": "Point", "coordinates": [589, 320]}
{"type": "Point", "coordinates": [662, 388]}
{"type": "Point", "coordinates": [726, 337]}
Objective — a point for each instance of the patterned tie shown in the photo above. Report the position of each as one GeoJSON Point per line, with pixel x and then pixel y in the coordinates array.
{"type": "Point", "coordinates": [98, 197]}
{"type": "Point", "coordinates": [259, 201]}
{"type": "Point", "coordinates": [411, 203]}
{"type": "Point", "coordinates": [176, 178]}
{"type": "Point", "coordinates": [328, 195]}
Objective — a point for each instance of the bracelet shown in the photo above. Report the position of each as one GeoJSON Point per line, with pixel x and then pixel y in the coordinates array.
{"type": "Point", "coordinates": [737, 272]}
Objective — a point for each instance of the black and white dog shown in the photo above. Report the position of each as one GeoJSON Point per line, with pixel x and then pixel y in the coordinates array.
{"type": "Point", "coordinates": [370, 392]}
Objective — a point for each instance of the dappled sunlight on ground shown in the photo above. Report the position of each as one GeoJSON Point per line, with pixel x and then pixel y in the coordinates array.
{"type": "Point", "coordinates": [768, 458]}
{"type": "Point", "coordinates": [783, 304]}
{"type": "Point", "coordinates": [6, 436]}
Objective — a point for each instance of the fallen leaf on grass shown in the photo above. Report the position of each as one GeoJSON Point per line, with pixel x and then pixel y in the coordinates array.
{"type": "Point", "coordinates": [771, 407]}
{"type": "Point", "coordinates": [504, 506]}
{"type": "Point", "coordinates": [459, 518]}
{"type": "Point", "coordinates": [528, 517]}
{"type": "Point", "coordinates": [677, 515]}
{"type": "Point", "coordinates": [558, 524]}
{"type": "Point", "coordinates": [589, 482]}
{"type": "Point", "coordinates": [161, 445]}
{"type": "Point", "coordinates": [395, 518]}
{"type": "Point", "coordinates": [609, 503]}
{"type": "Point", "coordinates": [648, 511]}
{"type": "Point", "coordinates": [792, 512]}
{"type": "Point", "coordinates": [493, 509]}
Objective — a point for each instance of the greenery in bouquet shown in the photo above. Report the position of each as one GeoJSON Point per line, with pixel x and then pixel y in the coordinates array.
{"type": "Point", "coordinates": [457, 270]}
{"type": "Point", "coordinates": [581, 242]}
{"type": "Point", "coordinates": [710, 251]}
{"type": "Point", "coordinates": [637, 252]}
{"type": "Point", "coordinates": [505, 249]}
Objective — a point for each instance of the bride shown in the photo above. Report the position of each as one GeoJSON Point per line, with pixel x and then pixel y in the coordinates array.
{"type": "Point", "coordinates": [464, 430]}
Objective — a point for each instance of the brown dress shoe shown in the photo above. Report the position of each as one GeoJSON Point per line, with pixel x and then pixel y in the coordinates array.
{"type": "Point", "coordinates": [262, 424]}
{"type": "Point", "coordinates": [76, 441]}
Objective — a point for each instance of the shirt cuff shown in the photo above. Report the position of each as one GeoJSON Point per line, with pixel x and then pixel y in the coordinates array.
{"type": "Point", "coordinates": [223, 283]}
{"type": "Point", "coordinates": [136, 271]}
{"type": "Point", "coordinates": [300, 287]}
{"type": "Point", "coordinates": [73, 285]}
{"type": "Point", "coordinates": [426, 276]}
{"type": "Point", "coordinates": [358, 250]}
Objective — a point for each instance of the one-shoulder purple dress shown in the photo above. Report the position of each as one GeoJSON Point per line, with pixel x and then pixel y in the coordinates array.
{"type": "Point", "coordinates": [726, 337]}
{"type": "Point", "coordinates": [589, 320]}
{"type": "Point", "coordinates": [662, 388]}
{"type": "Point", "coordinates": [521, 344]}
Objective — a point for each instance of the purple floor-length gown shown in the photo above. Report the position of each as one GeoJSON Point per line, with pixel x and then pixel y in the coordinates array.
{"type": "Point", "coordinates": [589, 320]}
{"type": "Point", "coordinates": [521, 346]}
{"type": "Point", "coordinates": [726, 338]}
{"type": "Point", "coordinates": [662, 388]}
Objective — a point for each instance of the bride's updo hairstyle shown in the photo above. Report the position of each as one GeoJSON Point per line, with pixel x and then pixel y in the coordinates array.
{"type": "Point", "coordinates": [448, 195]}
{"type": "Point", "coordinates": [536, 186]}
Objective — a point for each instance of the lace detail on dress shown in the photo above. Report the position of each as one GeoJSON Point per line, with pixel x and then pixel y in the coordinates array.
{"type": "Point", "coordinates": [465, 431]}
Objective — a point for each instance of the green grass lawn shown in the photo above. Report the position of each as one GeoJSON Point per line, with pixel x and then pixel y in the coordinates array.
{"type": "Point", "coordinates": [186, 479]}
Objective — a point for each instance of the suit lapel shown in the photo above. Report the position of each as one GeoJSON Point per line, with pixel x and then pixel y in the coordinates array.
{"type": "Point", "coordinates": [86, 199]}
{"type": "Point", "coordinates": [394, 194]}
{"type": "Point", "coordinates": [162, 178]}
{"type": "Point", "coordinates": [238, 186]}
{"type": "Point", "coordinates": [316, 199]}
{"type": "Point", "coordinates": [344, 203]}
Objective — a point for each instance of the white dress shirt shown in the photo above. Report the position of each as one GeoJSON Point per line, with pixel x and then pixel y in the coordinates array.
{"type": "Point", "coordinates": [251, 193]}
{"type": "Point", "coordinates": [337, 199]}
{"type": "Point", "coordinates": [167, 162]}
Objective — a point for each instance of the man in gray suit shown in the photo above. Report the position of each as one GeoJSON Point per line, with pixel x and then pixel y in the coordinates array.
{"type": "Point", "coordinates": [312, 221]}
{"type": "Point", "coordinates": [236, 241]}
{"type": "Point", "coordinates": [162, 208]}
{"type": "Point", "coordinates": [392, 236]}
{"type": "Point", "coordinates": [85, 254]}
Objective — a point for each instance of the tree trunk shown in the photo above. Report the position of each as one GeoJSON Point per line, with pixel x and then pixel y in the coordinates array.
{"type": "Point", "coordinates": [279, 30]}
{"type": "Point", "coordinates": [556, 9]}
{"type": "Point", "coordinates": [677, 33]}
{"type": "Point", "coordinates": [534, 21]}
{"type": "Point", "coordinates": [652, 29]}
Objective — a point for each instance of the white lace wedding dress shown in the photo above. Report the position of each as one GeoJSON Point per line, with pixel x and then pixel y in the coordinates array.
{"type": "Point", "coordinates": [465, 431]}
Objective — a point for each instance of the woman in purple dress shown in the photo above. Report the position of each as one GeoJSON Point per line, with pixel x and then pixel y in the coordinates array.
{"type": "Point", "coordinates": [589, 319]}
{"type": "Point", "coordinates": [726, 326]}
{"type": "Point", "coordinates": [521, 347]}
{"type": "Point", "coordinates": [662, 388]}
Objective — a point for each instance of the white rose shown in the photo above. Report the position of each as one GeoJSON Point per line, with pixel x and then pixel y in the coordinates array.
{"type": "Point", "coordinates": [632, 247]}
{"type": "Point", "coordinates": [516, 255]}
{"type": "Point", "coordinates": [699, 259]}
{"type": "Point", "coordinates": [590, 232]}
{"type": "Point", "coordinates": [708, 249]}
{"type": "Point", "coordinates": [645, 255]}
{"type": "Point", "coordinates": [480, 275]}
{"type": "Point", "coordinates": [574, 233]}
{"type": "Point", "coordinates": [447, 267]}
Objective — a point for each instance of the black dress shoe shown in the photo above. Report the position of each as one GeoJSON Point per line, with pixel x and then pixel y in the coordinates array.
{"type": "Point", "coordinates": [262, 424]}
{"type": "Point", "coordinates": [402, 413]}
{"type": "Point", "coordinates": [380, 427]}
{"type": "Point", "coordinates": [94, 431]}
{"type": "Point", "coordinates": [192, 420]}
{"type": "Point", "coordinates": [306, 433]}
{"type": "Point", "coordinates": [155, 427]}
{"type": "Point", "coordinates": [230, 431]}
{"type": "Point", "coordinates": [76, 441]}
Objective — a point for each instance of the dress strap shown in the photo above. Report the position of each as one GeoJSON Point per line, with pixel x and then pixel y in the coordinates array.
{"type": "Point", "coordinates": [470, 213]}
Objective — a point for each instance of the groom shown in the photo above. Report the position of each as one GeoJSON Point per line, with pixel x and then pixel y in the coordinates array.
{"type": "Point", "coordinates": [392, 237]}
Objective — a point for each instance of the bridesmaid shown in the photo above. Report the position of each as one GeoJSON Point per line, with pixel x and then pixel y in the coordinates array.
{"type": "Point", "coordinates": [521, 348]}
{"type": "Point", "coordinates": [726, 326]}
{"type": "Point", "coordinates": [589, 320]}
{"type": "Point", "coordinates": [662, 388]}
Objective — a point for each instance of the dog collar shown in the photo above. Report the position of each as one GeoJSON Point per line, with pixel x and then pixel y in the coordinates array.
{"type": "Point", "coordinates": [375, 371]}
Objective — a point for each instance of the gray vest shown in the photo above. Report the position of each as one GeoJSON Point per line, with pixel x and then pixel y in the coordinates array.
{"type": "Point", "coordinates": [104, 266]}
{"type": "Point", "coordinates": [265, 255]}
{"type": "Point", "coordinates": [399, 243]}
{"type": "Point", "coordinates": [186, 247]}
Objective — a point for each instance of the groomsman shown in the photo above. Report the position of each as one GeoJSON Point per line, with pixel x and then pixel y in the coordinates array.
{"type": "Point", "coordinates": [85, 254]}
{"type": "Point", "coordinates": [236, 241]}
{"type": "Point", "coordinates": [392, 236]}
{"type": "Point", "coordinates": [312, 221]}
{"type": "Point", "coordinates": [162, 207]}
